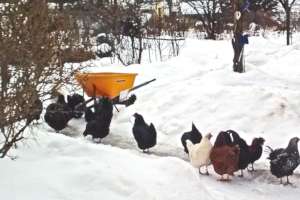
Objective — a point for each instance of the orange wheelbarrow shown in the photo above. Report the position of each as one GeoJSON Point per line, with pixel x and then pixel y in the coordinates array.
{"type": "Point", "coordinates": [105, 84]}
{"type": "Point", "coordinates": [114, 86]}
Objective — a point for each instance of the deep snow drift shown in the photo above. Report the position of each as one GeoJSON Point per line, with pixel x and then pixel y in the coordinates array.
{"type": "Point", "coordinates": [198, 86]}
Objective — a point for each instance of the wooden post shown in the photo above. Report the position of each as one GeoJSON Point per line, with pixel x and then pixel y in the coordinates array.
{"type": "Point", "coordinates": [238, 47]}
{"type": "Point", "coordinates": [288, 24]}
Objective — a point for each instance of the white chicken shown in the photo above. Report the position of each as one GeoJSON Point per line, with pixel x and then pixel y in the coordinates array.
{"type": "Point", "coordinates": [199, 153]}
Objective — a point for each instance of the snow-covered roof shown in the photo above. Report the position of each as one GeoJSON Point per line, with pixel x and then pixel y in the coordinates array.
{"type": "Point", "coordinates": [187, 9]}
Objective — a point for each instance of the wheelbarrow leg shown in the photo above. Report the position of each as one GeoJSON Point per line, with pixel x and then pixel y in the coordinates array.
{"type": "Point", "coordinates": [116, 107]}
{"type": "Point", "coordinates": [94, 96]}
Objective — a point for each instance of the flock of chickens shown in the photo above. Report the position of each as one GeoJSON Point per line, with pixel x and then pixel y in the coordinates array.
{"type": "Point", "coordinates": [231, 153]}
{"type": "Point", "coordinates": [228, 154]}
{"type": "Point", "coordinates": [98, 121]}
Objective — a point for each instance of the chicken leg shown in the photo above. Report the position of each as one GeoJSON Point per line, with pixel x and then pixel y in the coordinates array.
{"type": "Point", "coordinates": [251, 169]}
{"type": "Point", "coordinates": [242, 174]}
{"type": "Point", "coordinates": [206, 173]}
{"type": "Point", "coordinates": [287, 181]}
{"type": "Point", "coordinates": [145, 150]}
{"type": "Point", "coordinates": [97, 140]}
{"type": "Point", "coordinates": [224, 178]}
{"type": "Point", "coordinates": [227, 177]}
{"type": "Point", "coordinates": [200, 171]}
{"type": "Point", "coordinates": [206, 170]}
{"type": "Point", "coordinates": [221, 179]}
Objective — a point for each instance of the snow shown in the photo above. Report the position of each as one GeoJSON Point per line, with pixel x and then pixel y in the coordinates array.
{"type": "Point", "coordinates": [197, 86]}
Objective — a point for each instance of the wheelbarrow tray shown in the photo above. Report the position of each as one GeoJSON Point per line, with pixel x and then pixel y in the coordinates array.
{"type": "Point", "coordinates": [105, 84]}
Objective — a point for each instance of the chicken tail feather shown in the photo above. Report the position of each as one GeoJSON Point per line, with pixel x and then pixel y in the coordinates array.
{"type": "Point", "coordinates": [268, 150]}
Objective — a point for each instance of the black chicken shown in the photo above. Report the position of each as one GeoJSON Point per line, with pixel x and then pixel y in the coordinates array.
{"type": "Point", "coordinates": [89, 115]}
{"type": "Point", "coordinates": [255, 150]}
{"type": "Point", "coordinates": [283, 162]}
{"type": "Point", "coordinates": [73, 102]}
{"type": "Point", "coordinates": [144, 134]}
{"type": "Point", "coordinates": [36, 109]}
{"type": "Point", "coordinates": [244, 156]}
{"type": "Point", "coordinates": [99, 127]}
{"type": "Point", "coordinates": [58, 114]}
{"type": "Point", "coordinates": [194, 136]}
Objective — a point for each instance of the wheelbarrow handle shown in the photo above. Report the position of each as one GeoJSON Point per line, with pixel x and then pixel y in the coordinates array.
{"type": "Point", "coordinates": [84, 103]}
{"type": "Point", "coordinates": [116, 100]}
{"type": "Point", "coordinates": [141, 85]}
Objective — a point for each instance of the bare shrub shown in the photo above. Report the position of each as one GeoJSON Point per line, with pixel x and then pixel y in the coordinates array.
{"type": "Point", "coordinates": [32, 39]}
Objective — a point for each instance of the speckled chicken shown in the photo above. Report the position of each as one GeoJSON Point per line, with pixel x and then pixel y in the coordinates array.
{"type": "Point", "coordinates": [283, 162]}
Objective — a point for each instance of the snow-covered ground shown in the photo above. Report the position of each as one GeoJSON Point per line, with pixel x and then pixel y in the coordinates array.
{"type": "Point", "coordinates": [198, 86]}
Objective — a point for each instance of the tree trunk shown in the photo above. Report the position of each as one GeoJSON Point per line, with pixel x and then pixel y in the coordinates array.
{"type": "Point", "coordinates": [4, 76]}
{"type": "Point", "coordinates": [288, 25]}
{"type": "Point", "coordinates": [133, 50]}
{"type": "Point", "coordinates": [238, 64]}
{"type": "Point", "coordinates": [170, 5]}
{"type": "Point", "coordinates": [140, 49]}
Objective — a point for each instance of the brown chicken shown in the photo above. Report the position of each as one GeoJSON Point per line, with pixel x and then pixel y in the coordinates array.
{"type": "Point", "coordinates": [224, 156]}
